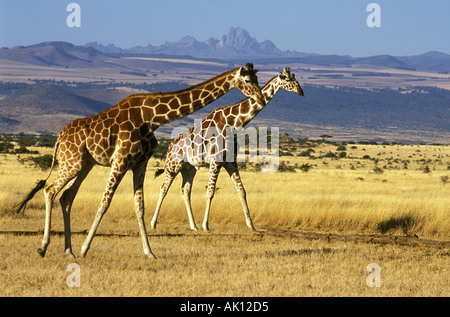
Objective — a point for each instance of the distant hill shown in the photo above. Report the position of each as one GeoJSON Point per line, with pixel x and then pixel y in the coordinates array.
{"type": "Point", "coordinates": [415, 115]}
{"type": "Point", "coordinates": [49, 99]}
{"type": "Point", "coordinates": [420, 109]}
{"type": "Point", "coordinates": [61, 54]}
{"type": "Point", "coordinates": [44, 108]}
{"type": "Point", "coordinates": [419, 114]}
{"type": "Point", "coordinates": [432, 61]}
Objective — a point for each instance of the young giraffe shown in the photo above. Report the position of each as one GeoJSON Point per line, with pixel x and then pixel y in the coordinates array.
{"type": "Point", "coordinates": [122, 138]}
{"type": "Point", "coordinates": [186, 153]}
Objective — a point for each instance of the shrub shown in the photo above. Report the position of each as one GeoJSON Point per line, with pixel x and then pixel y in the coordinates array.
{"type": "Point", "coordinates": [378, 170]}
{"type": "Point", "coordinates": [242, 166]}
{"type": "Point", "coordinates": [43, 162]}
{"type": "Point", "coordinates": [283, 167]}
{"type": "Point", "coordinates": [306, 153]}
{"type": "Point", "coordinates": [23, 150]}
{"type": "Point", "coordinates": [6, 146]}
{"type": "Point", "coordinates": [161, 150]}
{"type": "Point", "coordinates": [46, 141]}
{"type": "Point", "coordinates": [330, 155]}
{"type": "Point", "coordinates": [305, 167]}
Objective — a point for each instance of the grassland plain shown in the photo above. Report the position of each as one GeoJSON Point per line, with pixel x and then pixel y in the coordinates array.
{"type": "Point", "coordinates": [383, 190]}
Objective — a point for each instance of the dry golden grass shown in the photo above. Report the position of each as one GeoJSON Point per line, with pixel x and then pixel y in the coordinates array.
{"type": "Point", "coordinates": [232, 263]}
{"type": "Point", "coordinates": [333, 197]}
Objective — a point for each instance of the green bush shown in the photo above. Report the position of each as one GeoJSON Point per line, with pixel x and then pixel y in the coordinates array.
{"type": "Point", "coordinates": [43, 162]}
{"type": "Point", "coordinates": [306, 153]}
{"type": "Point", "coordinates": [330, 155]}
{"type": "Point", "coordinates": [305, 167]}
{"type": "Point", "coordinates": [378, 170]}
{"type": "Point", "coordinates": [5, 146]}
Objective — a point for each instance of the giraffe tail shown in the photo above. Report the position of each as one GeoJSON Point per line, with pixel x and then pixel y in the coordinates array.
{"type": "Point", "coordinates": [159, 172]}
{"type": "Point", "coordinates": [39, 185]}
{"type": "Point", "coordinates": [21, 207]}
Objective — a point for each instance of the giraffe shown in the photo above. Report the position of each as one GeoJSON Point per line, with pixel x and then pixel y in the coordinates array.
{"type": "Point", "coordinates": [122, 138]}
{"type": "Point", "coordinates": [187, 152]}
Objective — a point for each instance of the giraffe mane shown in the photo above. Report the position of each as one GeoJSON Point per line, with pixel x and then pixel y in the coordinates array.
{"type": "Point", "coordinates": [241, 101]}
{"type": "Point", "coordinates": [204, 83]}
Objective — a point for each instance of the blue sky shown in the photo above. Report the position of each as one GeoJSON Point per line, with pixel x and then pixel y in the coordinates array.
{"type": "Point", "coordinates": [408, 27]}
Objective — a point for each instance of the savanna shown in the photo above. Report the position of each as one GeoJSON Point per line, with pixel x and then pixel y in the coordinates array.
{"type": "Point", "coordinates": [329, 211]}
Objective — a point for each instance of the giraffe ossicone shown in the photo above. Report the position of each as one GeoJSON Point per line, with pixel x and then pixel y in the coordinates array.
{"type": "Point", "coordinates": [122, 138]}
{"type": "Point", "coordinates": [210, 142]}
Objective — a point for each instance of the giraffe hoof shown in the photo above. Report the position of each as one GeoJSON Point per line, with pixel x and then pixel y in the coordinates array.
{"type": "Point", "coordinates": [41, 252]}
{"type": "Point", "coordinates": [83, 253]}
{"type": "Point", "coordinates": [151, 256]}
{"type": "Point", "coordinates": [70, 254]}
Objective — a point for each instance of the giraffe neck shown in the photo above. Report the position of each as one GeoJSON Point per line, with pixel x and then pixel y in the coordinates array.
{"type": "Point", "coordinates": [269, 90]}
{"type": "Point", "coordinates": [167, 107]}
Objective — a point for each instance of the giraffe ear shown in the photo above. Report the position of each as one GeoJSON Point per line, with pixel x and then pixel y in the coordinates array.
{"type": "Point", "coordinates": [242, 71]}
{"type": "Point", "coordinates": [255, 71]}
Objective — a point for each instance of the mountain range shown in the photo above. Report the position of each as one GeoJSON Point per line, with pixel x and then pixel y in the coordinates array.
{"type": "Point", "coordinates": [238, 45]}
{"type": "Point", "coordinates": [353, 97]}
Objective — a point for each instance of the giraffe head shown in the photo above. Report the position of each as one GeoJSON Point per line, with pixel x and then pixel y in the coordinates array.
{"type": "Point", "coordinates": [246, 81]}
{"type": "Point", "coordinates": [286, 80]}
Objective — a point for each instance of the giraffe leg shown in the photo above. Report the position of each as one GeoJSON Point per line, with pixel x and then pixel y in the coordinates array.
{"type": "Point", "coordinates": [50, 193]}
{"type": "Point", "coordinates": [233, 171]}
{"type": "Point", "coordinates": [214, 170]}
{"type": "Point", "coordinates": [168, 179]}
{"type": "Point", "coordinates": [114, 179]}
{"type": "Point", "coordinates": [188, 173]}
{"type": "Point", "coordinates": [138, 183]}
{"type": "Point", "coordinates": [66, 202]}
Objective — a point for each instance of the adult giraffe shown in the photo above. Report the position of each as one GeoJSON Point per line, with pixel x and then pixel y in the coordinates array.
{"type": "Point", "coordinates": [207, 143]}
{"type": "Point", "coordinates": [122, 138]}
